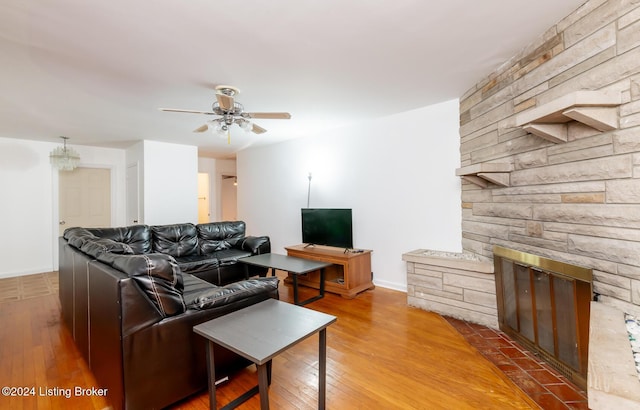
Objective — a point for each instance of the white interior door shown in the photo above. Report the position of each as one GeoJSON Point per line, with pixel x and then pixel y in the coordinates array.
{"type": "Point", "coordinates": [204, 215]}
{"type": "Point", "coordinates": [133, 195]}
{"type": "Point", "coordinates": [84, 198]}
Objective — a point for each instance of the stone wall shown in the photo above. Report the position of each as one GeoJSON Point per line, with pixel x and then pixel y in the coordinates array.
{"type": "Point", "coordinates": [576, 201]}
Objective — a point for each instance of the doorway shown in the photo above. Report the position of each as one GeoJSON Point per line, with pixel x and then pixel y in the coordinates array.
{"type": "Point", "coordinates": [229, 198]}
{"type": "Point", "coordinates": [204, 213]}
{"type": "Point", "coordinates": [84, 198]}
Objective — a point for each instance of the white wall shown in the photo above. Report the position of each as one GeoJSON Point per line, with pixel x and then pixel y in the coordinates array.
{"type": "Point", "coordinates": [29, 202]}
{"type": "Point", "coordinates": [397, 173]}
{"type": "Point", "coordinates": [170, 183]}
{"type": "Point", "coordinates": [135, 157]}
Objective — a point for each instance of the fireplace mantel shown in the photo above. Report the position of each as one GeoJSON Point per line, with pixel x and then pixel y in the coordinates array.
{"type": "Point", "coordinates": [595, 110]}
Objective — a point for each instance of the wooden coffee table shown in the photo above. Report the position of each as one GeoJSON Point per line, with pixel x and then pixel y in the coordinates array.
{"type": "Point", "coordinates": [295, 266]}
{"type": "Point", "coordinates": [259, 333]}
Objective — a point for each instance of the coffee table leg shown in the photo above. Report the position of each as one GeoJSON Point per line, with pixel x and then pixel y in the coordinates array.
{"type": "Point", "coordinates": [211, 373]}
{"type": "Point", "coordinates": [322, 369]}
{"type": "Point", "coordinates": [263, 385]}
{"type": "Point", "coordinates": [295, 288]}
{"type": "Point", "coordinates": [322, 276]}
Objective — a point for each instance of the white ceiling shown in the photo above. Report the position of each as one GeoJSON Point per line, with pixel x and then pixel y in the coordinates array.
{"type": "Point", "coordinates": [97, 71]}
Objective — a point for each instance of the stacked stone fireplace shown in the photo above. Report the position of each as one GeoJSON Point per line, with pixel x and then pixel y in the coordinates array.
{"type": "Point", "coordinates": [575, 201]}
{"type": "Point", "coordinates": [550, 161]}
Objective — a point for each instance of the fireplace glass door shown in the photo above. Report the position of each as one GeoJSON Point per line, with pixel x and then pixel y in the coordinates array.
{"type": "Point", "coordinates": [546, 308]}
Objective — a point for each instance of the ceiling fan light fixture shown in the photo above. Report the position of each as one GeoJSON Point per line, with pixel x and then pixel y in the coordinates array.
{"type": "Point", "coordinates": [247, 126]}
{"type": "Point", "coordinates": [220, 130]}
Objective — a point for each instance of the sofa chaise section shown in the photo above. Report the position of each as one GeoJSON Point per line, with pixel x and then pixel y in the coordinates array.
{"type": "Point", "coordinates": [131, 312]}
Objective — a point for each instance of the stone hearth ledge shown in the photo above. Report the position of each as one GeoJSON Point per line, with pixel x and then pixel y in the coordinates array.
{"type": "Point", "coordinates": [460, 285]}
{"type": "Point", "coordinates": [612, 379]}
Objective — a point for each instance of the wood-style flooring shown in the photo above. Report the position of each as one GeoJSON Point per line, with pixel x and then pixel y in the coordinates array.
{"type": "Point", "coordinates": [381, 354]}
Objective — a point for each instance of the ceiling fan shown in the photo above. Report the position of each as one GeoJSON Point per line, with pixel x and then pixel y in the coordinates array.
{"type": "Point", "coordinates": [231, 112]}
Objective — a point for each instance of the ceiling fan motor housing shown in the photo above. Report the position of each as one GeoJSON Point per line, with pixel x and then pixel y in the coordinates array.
{"type": "Point", "coordinates": [237, 109]}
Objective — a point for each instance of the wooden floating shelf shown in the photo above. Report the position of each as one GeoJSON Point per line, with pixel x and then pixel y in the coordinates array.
{"type": "Point", "coordinates": [483, 174]}
{"type": "Point", "coordinates": [596, 110]}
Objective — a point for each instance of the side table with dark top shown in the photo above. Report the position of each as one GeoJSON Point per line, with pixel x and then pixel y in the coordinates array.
{"type": "Point", "coordinates": [259, 333]}
{"type": "Point", "coordinates": [295, 266]}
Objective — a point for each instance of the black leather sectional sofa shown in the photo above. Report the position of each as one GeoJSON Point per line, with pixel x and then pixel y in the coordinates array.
{"type": "Point", "coordinates": [209, 251]}
{"type": "Point", "coordinates": [130, 303]}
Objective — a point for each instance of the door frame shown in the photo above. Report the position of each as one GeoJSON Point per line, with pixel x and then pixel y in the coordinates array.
{"type": "Point", "coordinates": [55, 184]}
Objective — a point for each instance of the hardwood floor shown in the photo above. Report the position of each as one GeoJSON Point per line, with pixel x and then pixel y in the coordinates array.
{"type": "Point", "coordinates": [381, 354]}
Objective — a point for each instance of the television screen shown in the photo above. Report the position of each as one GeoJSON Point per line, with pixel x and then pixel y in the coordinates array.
{"type": "Point", "coordinates": [330, 227]}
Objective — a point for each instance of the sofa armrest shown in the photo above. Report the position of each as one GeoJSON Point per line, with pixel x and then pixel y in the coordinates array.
{"type": "Point", "coordinates": [257, 245]}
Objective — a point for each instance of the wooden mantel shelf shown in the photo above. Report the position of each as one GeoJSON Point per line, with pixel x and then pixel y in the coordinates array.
{"type": "Point", "coordinates": [483, 174]}
{"type": "Point", "coordinates": [594, 109]}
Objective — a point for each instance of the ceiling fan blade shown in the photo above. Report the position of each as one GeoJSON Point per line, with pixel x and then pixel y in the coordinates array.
{"type": "Point", "coordinates": [187, 111]}
{"type": "Point", "coordinates": [258, 129]}
{"type": "Point", "coordinates": [270, 115]}
{"type": "Point", "coordinates": [202, 128]}
{"type": "Point", "coordinates": [226, 102]}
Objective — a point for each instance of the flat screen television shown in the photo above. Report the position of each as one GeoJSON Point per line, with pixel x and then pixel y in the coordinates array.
{"type": "Point", "coordinates": [325, 226]}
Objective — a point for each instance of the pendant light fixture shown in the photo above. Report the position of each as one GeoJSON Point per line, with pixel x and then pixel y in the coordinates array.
{"type": "Point", "coordinates": [64, 158]}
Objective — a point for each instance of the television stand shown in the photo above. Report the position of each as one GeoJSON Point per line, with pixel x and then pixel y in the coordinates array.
{"type": "Point", "coordinates": [349, 275]}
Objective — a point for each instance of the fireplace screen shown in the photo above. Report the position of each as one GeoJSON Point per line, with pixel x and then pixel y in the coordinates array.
{"type": "Point", "coordinates": [544, 305]}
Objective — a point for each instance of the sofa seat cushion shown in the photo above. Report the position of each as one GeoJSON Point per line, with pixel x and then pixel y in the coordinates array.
{"type": "Point", "coordinates": [193, 288]}
{"type": "Point", "coordinates": [228, 257]}
{"type": "Point", "coordinates": [223, 295]}
{"type": "Point", "coordinates": [197, 263]}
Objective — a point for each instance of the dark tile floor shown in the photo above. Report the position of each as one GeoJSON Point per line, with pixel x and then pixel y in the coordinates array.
{"type": "Point", "coordinates": [537, 379]}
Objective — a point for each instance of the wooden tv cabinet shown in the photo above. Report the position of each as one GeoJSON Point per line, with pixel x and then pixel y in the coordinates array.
{"type": "Point", "coordinates": [349, 275]}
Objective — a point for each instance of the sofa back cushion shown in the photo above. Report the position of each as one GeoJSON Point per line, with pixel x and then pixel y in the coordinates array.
{"type": "Point", "coordinates": [216, 236]}
{"type": "Point", "coordinates": [156, 274]}
{"type": "Point", "coordinates": [77, 236]}
{"type": "Point", "coordinates": [175, 240]}
{"type": "Point", "coordinates": [138, 237]}
{"type": "Point", "coordinates": [95, 246]}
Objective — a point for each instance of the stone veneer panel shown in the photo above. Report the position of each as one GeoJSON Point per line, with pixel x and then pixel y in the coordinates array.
{"type": "Point", "coordinates": [577, 202]}
{"type": "Point", "coordinates": [452, 285]}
